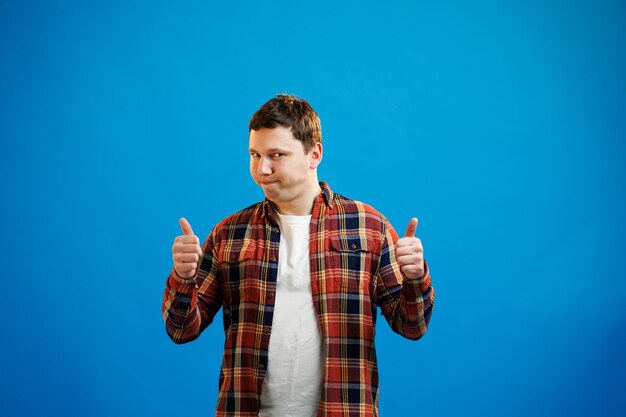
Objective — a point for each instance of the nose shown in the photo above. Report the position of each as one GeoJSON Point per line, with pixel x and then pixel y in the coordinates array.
{"type": "Point", "coordinates": [264, 167]}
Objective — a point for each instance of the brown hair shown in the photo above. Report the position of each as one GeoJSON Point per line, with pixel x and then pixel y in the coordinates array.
{"type": "Point", "coordinates": [293, 112]}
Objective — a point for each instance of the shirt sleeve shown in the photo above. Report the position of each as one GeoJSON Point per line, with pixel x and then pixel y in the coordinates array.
{"type": "Point", "coordinates": [190, 304]}
{"type": "Point", "coordinates": [406, 304]}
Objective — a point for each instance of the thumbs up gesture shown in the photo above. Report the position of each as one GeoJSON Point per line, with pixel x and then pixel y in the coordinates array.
{"type": "Point", "coordinates": [186, 251]}
{"type": "Point", "coordinates": [410, 253]}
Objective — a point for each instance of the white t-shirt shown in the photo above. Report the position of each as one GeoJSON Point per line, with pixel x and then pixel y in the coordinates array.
{"type": "Point", "coordinates": [293, 382]}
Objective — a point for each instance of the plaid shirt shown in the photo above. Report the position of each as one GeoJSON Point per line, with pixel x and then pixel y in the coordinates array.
{"type": "Point", "coordinates": [353, 271]}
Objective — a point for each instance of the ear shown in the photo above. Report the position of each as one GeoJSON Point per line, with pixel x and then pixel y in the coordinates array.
{"type": "Point", "coordinates": [316, 155]}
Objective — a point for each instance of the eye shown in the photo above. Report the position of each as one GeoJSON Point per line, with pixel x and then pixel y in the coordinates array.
{"type": "Point", "coordinates": [277, 155]}
{"type": "Point", "coordinates": [254, 155]}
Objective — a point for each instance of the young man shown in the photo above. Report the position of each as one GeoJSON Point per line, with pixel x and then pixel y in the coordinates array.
{"type": "Point", "coordinates": [299, 277]}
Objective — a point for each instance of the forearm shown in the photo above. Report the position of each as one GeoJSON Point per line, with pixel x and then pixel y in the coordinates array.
{"type": "Point", "coordinates": [180, 309]}
{"type": "Point", "coordinates": [411, 312]}
{"type": "Point", "coordinates": [189, 304]}
{"type": "Point", "coordinates": [407, 304]}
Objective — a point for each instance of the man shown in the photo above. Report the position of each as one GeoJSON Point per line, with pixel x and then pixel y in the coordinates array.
{"type": "Point", "coordinates": [299, 277]}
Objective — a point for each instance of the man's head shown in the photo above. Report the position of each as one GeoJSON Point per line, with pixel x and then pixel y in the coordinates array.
{"type": "Point", "coordinates": [285, 151]}
{"type": "Point", "coordinates": [291, 112]}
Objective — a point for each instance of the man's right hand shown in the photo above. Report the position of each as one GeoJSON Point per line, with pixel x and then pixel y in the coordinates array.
{"type": "Point", "coordinates": [186, 251]}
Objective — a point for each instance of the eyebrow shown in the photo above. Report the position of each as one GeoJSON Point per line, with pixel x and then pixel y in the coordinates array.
{"type": "Point", "coordinates": [272, 150]}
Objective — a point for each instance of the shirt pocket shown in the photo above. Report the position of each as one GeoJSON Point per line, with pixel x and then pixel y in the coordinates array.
{"type": "Point", "coordinates": [240, 268]}
{"type": "Point", "coordinates": [236, 251]}
{"type": "Point", "coordinates": [351, 260]}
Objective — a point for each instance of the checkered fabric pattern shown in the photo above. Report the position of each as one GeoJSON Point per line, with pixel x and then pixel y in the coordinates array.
{"type": "Point", "coordinates": [353, 272]}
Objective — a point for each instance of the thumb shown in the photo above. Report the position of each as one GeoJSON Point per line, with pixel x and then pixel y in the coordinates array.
{"type": "Point", "coordinates": [185, 226]}
{"type": "Point", "coordinates": [411, 228]}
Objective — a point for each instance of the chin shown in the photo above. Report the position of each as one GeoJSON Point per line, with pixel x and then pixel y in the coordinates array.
{"type": "Point", "coordinates": [271, 195]}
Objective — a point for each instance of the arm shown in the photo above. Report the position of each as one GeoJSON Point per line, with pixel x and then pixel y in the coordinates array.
{"type": "Point", "coordinates": [189, 304]}
{"type": "Point", "coordinates": [406, 304]}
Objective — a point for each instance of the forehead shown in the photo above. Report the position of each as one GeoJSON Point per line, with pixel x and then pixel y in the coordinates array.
{"type": "Point", "coordinates": [276, 138]}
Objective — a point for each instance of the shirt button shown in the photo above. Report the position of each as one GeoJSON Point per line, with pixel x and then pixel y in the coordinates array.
{"type": "Point", "coordinates": [261, 366]}
{"type": "Point", "coordinates": [270, 295]}
{"type": "Point", "coordinates": [273, 259]}
{"type": "Point", "coordinates": [275, 230]}
{"type": "Point", "coordinates": [353, 246]}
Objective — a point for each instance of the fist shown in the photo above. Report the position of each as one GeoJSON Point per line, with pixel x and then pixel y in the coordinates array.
{"type": "Point", "coordinates": [186, 251]}
{"type": "Point", "coordinates": [410, 253]}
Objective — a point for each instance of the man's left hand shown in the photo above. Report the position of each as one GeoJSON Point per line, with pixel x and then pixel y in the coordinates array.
{"type": "Point", "coordinates": [410, 253]}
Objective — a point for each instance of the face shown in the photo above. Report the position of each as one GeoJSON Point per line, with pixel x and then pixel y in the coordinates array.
{"type": "Point", "coordinates": [280, 167]}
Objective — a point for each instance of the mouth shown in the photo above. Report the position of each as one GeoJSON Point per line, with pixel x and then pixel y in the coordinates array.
{"type": "Point", "coordinates": [267, 182]}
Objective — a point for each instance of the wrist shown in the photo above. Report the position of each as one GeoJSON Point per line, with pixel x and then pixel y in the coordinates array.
{"type": "Point", "coordinates": [183, 279]}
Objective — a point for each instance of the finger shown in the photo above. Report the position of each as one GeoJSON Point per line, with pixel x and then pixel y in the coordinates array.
{"type": "Point", "coordinates": [412, 271]}
{"type": "Point", "coordinates": [411, 228]}
{"type": "Point", "coordinates": [187, 239]}
{"type": "Point", "coordinates": [185, 226]}
{"type": "Point", "coordinates": [180, 247]}
{"type": "Point", "coordinates": [191, 248]}
{"type": "Point", "coordinates": [410, 258]}
{"type": "Point", "coordinates": [409, 250]}
{"type": "Point", "coordinates": [408, 241]}
{"type": "Point", "coordinates": [186, 257]}
{"type": "Point", "coordinates": [186, 269]}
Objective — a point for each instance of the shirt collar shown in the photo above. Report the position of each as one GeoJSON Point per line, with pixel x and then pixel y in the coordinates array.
{"type": "Point", "coordinates": [327, 194]}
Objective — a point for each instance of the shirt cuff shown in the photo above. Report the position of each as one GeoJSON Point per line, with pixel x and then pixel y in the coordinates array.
{"type": "Point", "coordinates": [423, 282]}
{"type": "Point", "coordinates": [180, 284]}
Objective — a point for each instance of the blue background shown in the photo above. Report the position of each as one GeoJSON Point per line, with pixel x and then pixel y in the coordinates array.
{"type": "Point", "coordinates": [500, 125]}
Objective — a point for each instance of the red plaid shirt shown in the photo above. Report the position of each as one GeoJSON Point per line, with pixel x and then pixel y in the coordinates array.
{"type": "Point", "coordinates": [353, 271]}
